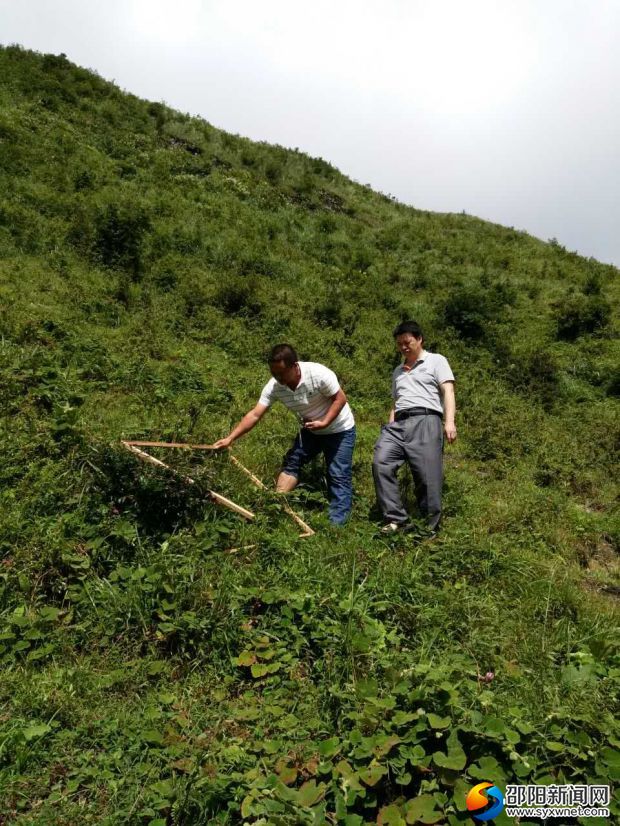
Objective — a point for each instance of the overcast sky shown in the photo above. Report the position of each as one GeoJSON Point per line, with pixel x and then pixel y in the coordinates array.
{"type": "Point", "coordinates": [507, 109]}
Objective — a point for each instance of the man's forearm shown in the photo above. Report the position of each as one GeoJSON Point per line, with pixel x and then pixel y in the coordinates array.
{"type": "Point", "coordinates": [338, 401]}
{"type": "Point", "coordinates": [245, 425]}
{"type": "Point", "coordinates": [334, 409]}
{"type": "Point", "coordinates": [449, 410]}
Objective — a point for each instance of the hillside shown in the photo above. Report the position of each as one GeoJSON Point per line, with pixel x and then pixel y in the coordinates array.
{"type": "Point", "coordinates": [165, 662]}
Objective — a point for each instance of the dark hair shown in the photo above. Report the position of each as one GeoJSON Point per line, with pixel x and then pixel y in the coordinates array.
{"type": "Point", "coordinates": [409, 327]}
{"type": "Point", "coordinates": [283, 352]}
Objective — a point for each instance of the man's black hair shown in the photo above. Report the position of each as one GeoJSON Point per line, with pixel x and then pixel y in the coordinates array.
{"type": "Point", "coordinates": [409, 327]}
{"type": "Point", "coordinates": [285, 353]}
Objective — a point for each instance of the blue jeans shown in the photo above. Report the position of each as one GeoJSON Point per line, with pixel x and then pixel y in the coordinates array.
{"type": "Point", "coordinates": [338, 451]}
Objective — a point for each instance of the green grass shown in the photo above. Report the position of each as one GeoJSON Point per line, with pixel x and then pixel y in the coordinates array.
{"type": "Point", "coordinates": [153, 675]}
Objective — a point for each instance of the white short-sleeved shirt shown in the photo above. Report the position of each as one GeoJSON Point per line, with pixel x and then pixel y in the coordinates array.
{"type": "Point", "coordinates": [419, 386]}
{"type": "Point", "coordinates": [311, 399]}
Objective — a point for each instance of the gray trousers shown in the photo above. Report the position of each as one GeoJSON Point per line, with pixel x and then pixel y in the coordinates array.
{"type": "Point", "coordinates": [419, 441]}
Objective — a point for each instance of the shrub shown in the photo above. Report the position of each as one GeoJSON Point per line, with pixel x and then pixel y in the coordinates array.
{"type": "Point", "coordinates": [613, 384]}
{"type": "Point", "coordinates": [239, 297]}
{"type": "Point", "coordinates": [470, 309]}
{"type": "Point", "coordinates": [119, 237]}
{"type": "Point", "coordinates": [537, 375]}
{"type": "Point", "coordinates": [578, 315]}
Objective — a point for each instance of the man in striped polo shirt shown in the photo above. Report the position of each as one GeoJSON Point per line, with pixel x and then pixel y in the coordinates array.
{"type": "Point", "coordinates": [423, 395]}
{"type": "Point", "coordinates": [327, 426]}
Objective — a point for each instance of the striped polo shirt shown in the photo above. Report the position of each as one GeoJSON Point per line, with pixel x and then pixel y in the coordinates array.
{"type": "Point", "coordinates": [311, 399]}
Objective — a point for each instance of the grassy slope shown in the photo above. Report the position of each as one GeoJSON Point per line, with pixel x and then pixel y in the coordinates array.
{"type": "Point", "coordinates": [148, 261]}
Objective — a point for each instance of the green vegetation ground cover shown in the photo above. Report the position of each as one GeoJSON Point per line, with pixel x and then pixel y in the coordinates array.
{"type": "Point", "coordinates": [165, 662]}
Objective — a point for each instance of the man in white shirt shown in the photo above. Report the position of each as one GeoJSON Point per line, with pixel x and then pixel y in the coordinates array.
{"type": "Point", "coordinates": [423, 394]}
{"type": "Point", "coordinates": [312, 392]}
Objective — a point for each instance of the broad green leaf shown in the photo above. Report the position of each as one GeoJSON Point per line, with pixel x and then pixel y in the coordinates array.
{"type": "Point", "coordinates": [385, 744]}
{"type": "Point", "coordinates": [455, 760]}
{"type": "Point", "coordinates": [413, 753]}
{"type": "Point", "coordinates": [524, 728]}
{"type": "Point", "coordinates": [164, 788]}
{"type": "Point", "coordinates": [246, 806]}
{"type": "Point", "coordinates": [437, 722]}
{"type": "Point", "coordinates": [267, 654]}
{"type": "Point", "coordinates": [246, 658]}
{"type": "Point", "coordinates": [493, 726]}
{"type": "Point", "coordinates": [390, 816]}
{"type": "Point", "coordinates": [487, 768]}
{"type": "Point", "coordinates": [22, 645]}
{"type": "Point", "coordinates": [288, 775]}
{"type": "Point", "coordinates": [153, 737]}
{"type": "Point", "coordinates": [329, 747]}
{"type": "Point", "coordinates": [309, 793]}
{"type": "Point", "coordinates": [372, 775]}
{"type": "Point", "coordinates": [49, 613]}
{"type": "Point", "coordinates": [401, 718]}
{"type": "Point", "coordinates": [33, 732]}
{"type": "Point", "coordinates": [422, 809]}
{"type": "Point", "coordinates": [461, 790]}
{"type": "Point", "coordinates": [610, 757]}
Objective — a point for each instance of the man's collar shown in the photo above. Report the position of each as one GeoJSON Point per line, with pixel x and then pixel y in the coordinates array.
{"type": "Point", "coordinates": [407, 367]}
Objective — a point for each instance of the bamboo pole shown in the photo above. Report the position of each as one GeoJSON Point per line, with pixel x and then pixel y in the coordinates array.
{"type": "Point", "coordinates": [169, 444]}
{"type": "Point", "coordinates": [217, 497]}
{"type": "Point", "coordinates": [307, 530]}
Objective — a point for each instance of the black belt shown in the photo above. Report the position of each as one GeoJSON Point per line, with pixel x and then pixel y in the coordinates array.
{"type": "Point", "coordinates": [416, 411]}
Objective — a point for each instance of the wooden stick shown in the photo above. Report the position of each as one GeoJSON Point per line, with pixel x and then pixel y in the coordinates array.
{"type": "Point", "coordinates": [255, 479]}
{"type": "Point", "coordinates": [307, 530]}
{"type": "Point", "coordinates": [146, 457]}
{"type": "Point", "coordinates": [228, 503]}
{"type": "Point", "coordinates": [217, 497]}
{"type": "Point", "coordinates": [170, 444]}
{"type": "Point", "coordinates": [242, 548]}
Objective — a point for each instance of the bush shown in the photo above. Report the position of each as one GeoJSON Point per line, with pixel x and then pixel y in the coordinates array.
{"type": "Point", "coordinates": [119, 237]}
{"type": "Point", "coordinates": [471, 309]}
{"type": "Point", "coordinates": [537, 375]}
{"type": "Point", "coordinates": [578, 315]}
{"type": "Point", "coordinates": [613, 384]}
{"type": "Point", "coordinates": [239, 297]}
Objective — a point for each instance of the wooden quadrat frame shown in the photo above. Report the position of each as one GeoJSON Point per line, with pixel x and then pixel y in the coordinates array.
{"type": "Point", "coordinates": [135, 448]}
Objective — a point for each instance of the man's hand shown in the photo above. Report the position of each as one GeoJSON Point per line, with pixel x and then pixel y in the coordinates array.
{"type": "Point", "coordinates": [315, 424]}
{"type": "Point", "coordinates": [222, 443]}
{"type": "Point", "coordinates": [449, 429]}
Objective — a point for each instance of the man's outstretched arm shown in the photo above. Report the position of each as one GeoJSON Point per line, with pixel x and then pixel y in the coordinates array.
{"type": "Point", "coordinates": [246, 424]}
